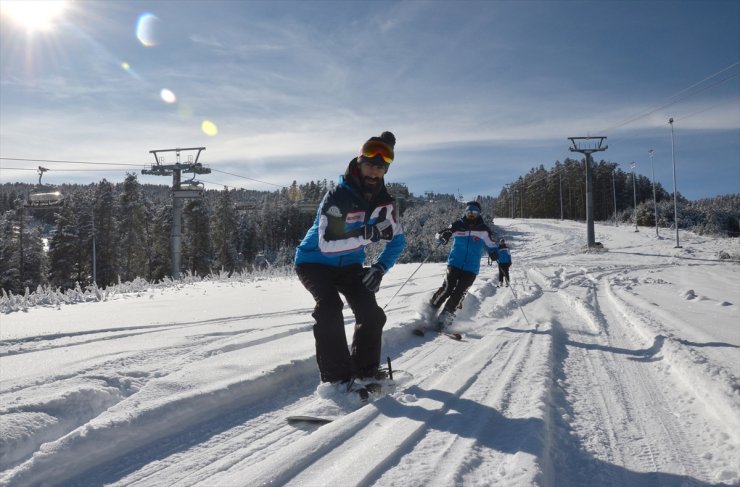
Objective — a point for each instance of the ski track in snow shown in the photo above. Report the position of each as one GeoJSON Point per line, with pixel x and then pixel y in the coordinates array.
{"type": "Point", "coordinates": [574, 376]}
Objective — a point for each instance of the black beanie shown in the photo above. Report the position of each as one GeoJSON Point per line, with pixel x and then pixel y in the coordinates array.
{"type": "Point", "coordinates": [388, 138]}
{"type": "Point", "coordinates": [473, 203]}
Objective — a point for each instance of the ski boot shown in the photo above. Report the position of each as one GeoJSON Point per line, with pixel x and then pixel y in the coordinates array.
{"type": "Point", "coordinates": [444, 320]}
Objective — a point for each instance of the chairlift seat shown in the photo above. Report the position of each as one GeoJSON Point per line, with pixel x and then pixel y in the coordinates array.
{"type": "Point", "coordinates": [51, 198]}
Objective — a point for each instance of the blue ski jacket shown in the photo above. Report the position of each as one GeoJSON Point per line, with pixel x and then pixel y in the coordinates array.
{"type": "Point", "coordinates": [504, 256]}
{"type": "Point", "coordinates": [468, 242]}
{"type": "Point", "coordinates": [336, 238]}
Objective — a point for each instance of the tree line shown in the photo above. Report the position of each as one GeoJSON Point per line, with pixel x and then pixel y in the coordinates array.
{"type": "Point", "coordinates": [104, 233]}
{"type": "Point", "coordinates": [561, 193]}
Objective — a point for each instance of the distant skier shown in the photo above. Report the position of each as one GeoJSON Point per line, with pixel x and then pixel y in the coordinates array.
{"type": "Point", "coordinates": [504, 262]}
{"type": "Point", "coordinates": [470, 236]}
{"type": "Point", "coordinates": [329, 261]}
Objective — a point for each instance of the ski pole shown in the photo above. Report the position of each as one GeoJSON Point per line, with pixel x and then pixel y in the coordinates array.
{"type": "Point", "coordinates": [511, 287]}
{"type": "Point", "coordinates": [409, 278]}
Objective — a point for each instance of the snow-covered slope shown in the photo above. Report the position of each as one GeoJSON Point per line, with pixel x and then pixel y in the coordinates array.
{"type": "Point", "coordinates": [611, 368]}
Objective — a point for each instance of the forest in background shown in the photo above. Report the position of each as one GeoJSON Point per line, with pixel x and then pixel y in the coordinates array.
{"type": "Point", "coordinates": [107, 233]}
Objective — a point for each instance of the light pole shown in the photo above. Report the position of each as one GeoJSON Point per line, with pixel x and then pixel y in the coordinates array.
{"type": "Point", "coordinates": [614, 193]}
{"type": "Point", "coordinates": [511, 195]}
{"type": "Point", "coordinates": [95, 265]}
{"type": "Point", "coordinates": [675, 191]}
{"type": "Point", "coordinates": [655, 201]}
{"type": "Point", "coordinates": [561, 195]}
{"type": "Point", "coordinates": [521, 203]}
{"type": "Point", "coordinates": [510, 190]}
{"type": "Point", "coordinates": [634, 195]}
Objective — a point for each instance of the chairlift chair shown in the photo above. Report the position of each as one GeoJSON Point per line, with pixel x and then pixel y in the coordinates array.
{"type": "Point", "coordinates": [191, 185]}
{"type": "Point", "coordinates": [44, 196]}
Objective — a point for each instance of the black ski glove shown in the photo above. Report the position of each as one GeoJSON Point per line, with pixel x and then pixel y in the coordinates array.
{"type": "Point", "coordinates": [382, 229]}
{"type": "Point", "coordinates": [493, 254]}
{"type": "Point", "coordinates": [443, 237]}
{"type": "Point", "coordinates": [372, 277]}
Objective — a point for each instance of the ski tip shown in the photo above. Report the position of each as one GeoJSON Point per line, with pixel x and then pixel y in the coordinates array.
{"type": "Point", "coordinates": [418, 332]}
{"type": "Point", "coordinates": [454, 336]}
{"type": "Point", "coordinates": [308, 419]}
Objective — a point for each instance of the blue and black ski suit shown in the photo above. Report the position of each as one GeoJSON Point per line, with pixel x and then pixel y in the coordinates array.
{"type": "Point", "coordinates": [469, 238]}
{"type": "Point", "coordinates": [504, 262]}
{"type": "Point", "coordinates": [329, 261]}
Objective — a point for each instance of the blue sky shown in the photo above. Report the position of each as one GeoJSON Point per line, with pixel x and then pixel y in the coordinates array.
{"type": "Point", "coordinates": [476, 92]}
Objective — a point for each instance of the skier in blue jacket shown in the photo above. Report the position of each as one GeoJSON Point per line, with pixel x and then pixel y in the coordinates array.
{"type": "Point", "coordinates": [329, 261]}
{"type": "Point", "coordinates": [470, 236]}
{"type": "Point", "coordinates": [504, 262]}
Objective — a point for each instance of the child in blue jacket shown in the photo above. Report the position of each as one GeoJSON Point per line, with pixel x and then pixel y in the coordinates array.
{"type": "Point", "coordinates": [504, 262]}
{"type": "Point", "coordinates": [470, 235]}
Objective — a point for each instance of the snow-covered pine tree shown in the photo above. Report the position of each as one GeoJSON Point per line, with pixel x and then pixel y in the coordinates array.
{"type": "Point", "coordinates": [132, 231]}
{"type": "Point", "coordinates": [106, 242]}
{"type": "Point", "coordinates": [224, 232]}
{"type": "Point", "coordinates": [196, 242]}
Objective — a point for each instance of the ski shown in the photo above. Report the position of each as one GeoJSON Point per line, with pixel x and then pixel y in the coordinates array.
{"type": "Point", "coordinates": [387, 382]}
{"type": "Point", "coordinates": [308, 419]}
{"type": "Point", "coordinates": [453, 336]}
{"type": "Point", "coordinates": [321, 419]}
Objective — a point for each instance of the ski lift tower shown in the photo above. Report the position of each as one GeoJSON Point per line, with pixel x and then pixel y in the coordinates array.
{"type": "Point", "coordinates": [587, 146]}
{"type": "Point", "coordinates": [179, 193]}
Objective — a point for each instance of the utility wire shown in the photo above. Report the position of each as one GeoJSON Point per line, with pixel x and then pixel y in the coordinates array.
{"type": "Point", "coordinates": [117, 164]}
{"type": "Point", "coordinates": [250, 179]}
{"type": "Point", "coordinates": [702, 110]}
{"type": "Point", "coordinates": [679, 96]}
{"type": "Point", "coordinates": [73, 162]}
{"type": "Point", "coordinates": [57, 170]}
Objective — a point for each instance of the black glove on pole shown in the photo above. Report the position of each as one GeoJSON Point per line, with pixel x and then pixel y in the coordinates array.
{"type": "Point", "coordinates": [373, 276]}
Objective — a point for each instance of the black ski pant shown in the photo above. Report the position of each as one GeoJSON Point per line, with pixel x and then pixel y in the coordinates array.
{"type": "Point", "coordinates": [336, 361]}
{"type": "Point", "coordinates": [456, 284]}
{"type": "Point", "coordinates": [503, 272]}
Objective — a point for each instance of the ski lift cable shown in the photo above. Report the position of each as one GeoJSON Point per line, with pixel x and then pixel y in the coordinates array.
{"type": "Point", "coordinates": [73, 162]}
{"type": "Point", "coordinates": [680, 96]}
{"type": "Point", "coordinates": [58, 170]}
{"type": "Point", "coordinates": [250, 179]}
{"type": "Point", "coordinates": [118, 164]}
{"type": "Point", "coordinates": [702, 110]}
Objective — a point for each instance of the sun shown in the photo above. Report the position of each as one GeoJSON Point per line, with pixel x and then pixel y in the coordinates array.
{"type": "Point", "coordinates": [34, 15]}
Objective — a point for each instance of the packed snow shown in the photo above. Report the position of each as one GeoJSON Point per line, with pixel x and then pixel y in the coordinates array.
{"type": "Point", "coordinates": [610, 368]}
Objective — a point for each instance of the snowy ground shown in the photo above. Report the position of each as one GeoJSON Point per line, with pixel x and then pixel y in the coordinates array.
{"type": "Point", "coordinates": [617, 368]}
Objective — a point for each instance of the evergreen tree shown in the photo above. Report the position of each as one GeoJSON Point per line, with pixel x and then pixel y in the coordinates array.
{"type": "Point", "coordinates": [34, 259]}
{"type": "Point", "coordinates": [196, 248]}
{"type": "Point", "coordinates": [70, 261]}
{"type": "Point", "coordinates": [247, 238]}
{"type": "Point", "coordinates": [9, 255]}
{"type": "Point", "coordinates": [225, 234]}
{"type": "Point", "coordinates": [159, 250]}
{"type": "Point", "coordinates": [105, 234]}
{"type": "Point", "coordinates": [132, 231]}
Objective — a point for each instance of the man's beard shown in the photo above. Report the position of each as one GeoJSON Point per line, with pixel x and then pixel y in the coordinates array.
{"type": "Point", "coordinates": [371, 184]}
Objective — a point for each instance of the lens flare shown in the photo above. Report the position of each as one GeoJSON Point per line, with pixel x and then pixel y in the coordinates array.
{"type": "Point", "coordinates": [147, 30]}
{"type": "Point", "coordinates": [38, 15]}
{"type": "Point", "coordinates": [167, 96]}
{"type": "Point", "coordinates": [126, 66]}
{"type": "Point", "coordinates": [209, 128]}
